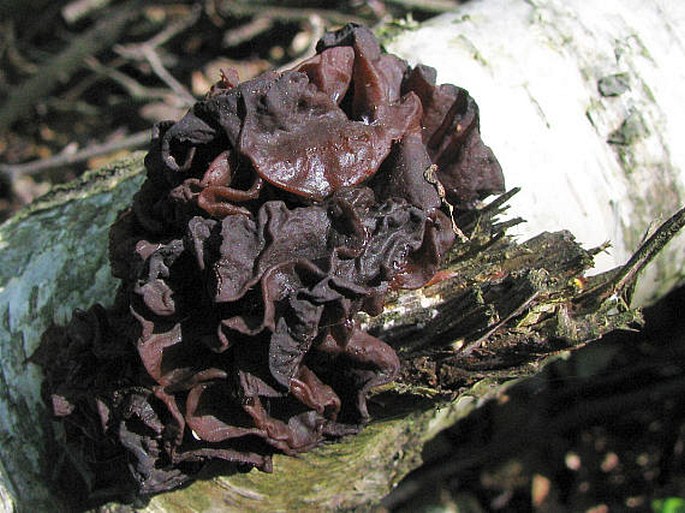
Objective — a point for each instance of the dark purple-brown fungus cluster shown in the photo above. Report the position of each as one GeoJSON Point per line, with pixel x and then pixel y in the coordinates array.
{"type": "Point", "coordinates": [273, 212]}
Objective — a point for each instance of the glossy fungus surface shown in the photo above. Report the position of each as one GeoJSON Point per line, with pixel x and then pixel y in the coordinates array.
{"type": "Point", "coordinates": [273, 212]}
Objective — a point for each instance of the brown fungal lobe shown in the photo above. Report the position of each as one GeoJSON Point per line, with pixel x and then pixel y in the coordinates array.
{"type": "Point", "coordinates": [273, 212]}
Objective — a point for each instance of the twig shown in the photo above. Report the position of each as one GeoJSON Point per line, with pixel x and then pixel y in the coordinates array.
{"type": "Point", "coordinates": [431, 6]}
{"type": "Point", "coordinates": [79, 9]}
{"type": "Point", "coordinates": [131, 51]}
{"type": "Point", "coordinates": [9, 47]}
{"type": "Point", "coordinates": [135, 89]}
{"type": "Point", "coordinates": [247, 31]}
{"type": "Point", "coordinates": [24, 96]}
{"type": "Point", "coordinates": [649, 249]}
{"type": "Point", "coordinates": [626, 275]}
{"type": "Point", "coordinates": [136, 140]}
{"type": "Point", "coordinates": [152, 57]}
{"type": "Point", "coordinates": [175, 28]}
{"type": "Point", "coordinates": [239, 9]}
{"type": "Point", "coordinates": [148, 51]}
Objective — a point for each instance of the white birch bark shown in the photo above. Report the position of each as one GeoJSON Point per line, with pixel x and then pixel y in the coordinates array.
{"type": "Point", "coordinates": [583, 104]}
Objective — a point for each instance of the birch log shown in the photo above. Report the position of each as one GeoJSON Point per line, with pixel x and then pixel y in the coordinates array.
{"type": "Point", "coordinates": [56, 260]}
{"type": "Point", "coordinates": [579, 102]}
{"type": "Point", "coordinates": [582, 103]}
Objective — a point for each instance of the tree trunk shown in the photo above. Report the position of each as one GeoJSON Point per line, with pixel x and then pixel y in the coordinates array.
{"type": "Point", "coordinates": [500, 313]}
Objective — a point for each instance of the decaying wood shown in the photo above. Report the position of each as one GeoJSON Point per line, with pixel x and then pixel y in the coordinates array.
{"type": "Point", "coordinates": [581, 103]}
{"type": "Point", "coordinates": [497, 311]}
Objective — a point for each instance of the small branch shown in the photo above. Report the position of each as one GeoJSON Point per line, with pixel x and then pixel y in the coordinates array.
{"type": "Point", "coordinates": [431, 6]}
{"type": "Point", "coordinates": [79, 9]}
{"type": "Point", "coordinates": [9, 48]}
{"type": "Point", "coordinates": [247, 31]}
{"type": "Point", "coordinates": [148, 51]}
{"type": "Point", "coordinates": [152, 57]}
{"type": "Point", "coordinates": [135, 89]}
{"type": "Point", "coordinates": [24, 96]}
{"type": "Point", "coordinates": [173, 29]}
{"type": "Point", "coordinates": [649, 249]}
{"type": "Point", "coordinates": [136, 140]}
{"type": "Point", "coordinates": [132, 51]}
{"type": "Point", "coordinates": [231, 8]}
{"type": "Point", "coordinates": [625, 277]}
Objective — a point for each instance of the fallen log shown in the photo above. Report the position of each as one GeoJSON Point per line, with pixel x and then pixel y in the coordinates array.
{"type": "Point", "coordinates": [498, 311]}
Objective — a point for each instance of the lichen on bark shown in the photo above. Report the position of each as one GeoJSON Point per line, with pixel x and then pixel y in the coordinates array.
{"type": "Point", "coordinates": [43, 277]}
